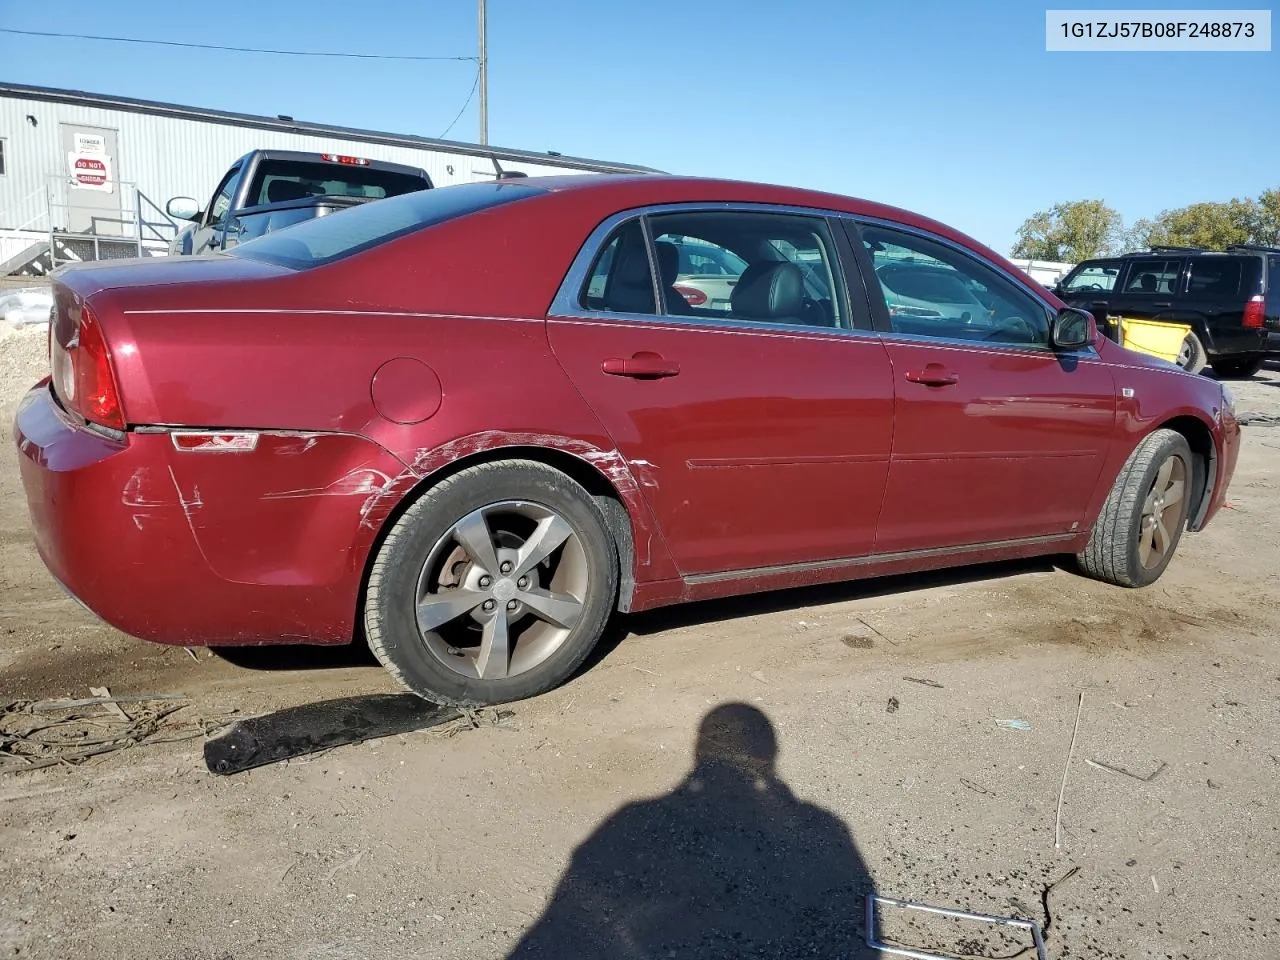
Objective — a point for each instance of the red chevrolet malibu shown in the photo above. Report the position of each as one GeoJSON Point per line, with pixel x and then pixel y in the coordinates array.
{"type": "Point", "coordinates": [472, 423]}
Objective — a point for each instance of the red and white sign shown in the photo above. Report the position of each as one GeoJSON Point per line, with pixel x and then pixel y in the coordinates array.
{"type": "Point", "coordinates": [90, 171]}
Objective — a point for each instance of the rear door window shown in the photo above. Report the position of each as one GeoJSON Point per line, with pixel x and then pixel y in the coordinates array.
{"type": "Point", "coordinates": [1153, 277]}
{"type": "Point", "coordinates": [1215, 277]}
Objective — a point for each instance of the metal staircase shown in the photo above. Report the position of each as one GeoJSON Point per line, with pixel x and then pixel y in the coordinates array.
{"type": "Point", "coordinates": [66, 230]}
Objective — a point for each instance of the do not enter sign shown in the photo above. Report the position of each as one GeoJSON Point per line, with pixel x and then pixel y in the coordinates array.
{"type": "Point", "coordinates": [90, 172]}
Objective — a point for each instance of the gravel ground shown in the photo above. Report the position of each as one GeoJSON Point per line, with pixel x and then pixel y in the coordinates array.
{"type": "Point", "coordinates": [600, 815]}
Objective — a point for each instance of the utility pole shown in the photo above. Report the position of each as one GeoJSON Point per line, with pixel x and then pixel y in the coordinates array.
{"type": "Point", "coordinates": [484, 80]}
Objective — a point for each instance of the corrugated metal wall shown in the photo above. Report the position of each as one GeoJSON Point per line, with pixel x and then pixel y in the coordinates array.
{"type": "Point", "coordinates": [169, 156]}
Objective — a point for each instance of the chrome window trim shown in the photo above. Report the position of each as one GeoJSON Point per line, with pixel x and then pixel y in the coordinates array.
{"type": "Point", "coordinates": [567, 303]}
{"type": "Point", "coordinates": [1089, 351]}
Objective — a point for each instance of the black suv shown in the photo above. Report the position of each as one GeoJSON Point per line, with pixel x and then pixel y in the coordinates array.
{"type": "Point", "coordinates": [1231, 300]}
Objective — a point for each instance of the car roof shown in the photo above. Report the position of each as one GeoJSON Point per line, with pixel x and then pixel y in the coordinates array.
{"type": "Point", "coordinates": [634, 190]}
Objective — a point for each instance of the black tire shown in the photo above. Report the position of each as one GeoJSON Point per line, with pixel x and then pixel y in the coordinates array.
{"type": "Point", "coordinates": [1241, 367]}
{"type": "Point", "coordinates": [391, 626]}
{"type": "Point", "coordinates": [1113, 553]}
{"type": "Point", "coordinates": [1193, 356]}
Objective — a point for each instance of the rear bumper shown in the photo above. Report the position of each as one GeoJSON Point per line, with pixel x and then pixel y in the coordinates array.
{"type": "Point", "coordinates": [197, 548]}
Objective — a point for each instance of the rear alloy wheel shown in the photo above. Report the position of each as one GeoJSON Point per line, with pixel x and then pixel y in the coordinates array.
{"type": "Point", "coordinates": [1143, 518]}
{"type": "Point", "coordinates": [494, 586]}
{"type": "Point", "coordinates": [1192, 356]}
{"type": "Point", "coordinates": [1238, 368]}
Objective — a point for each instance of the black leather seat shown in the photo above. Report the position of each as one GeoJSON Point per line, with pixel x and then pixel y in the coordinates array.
{"type": "Point", "coordinates": [630, 284]}
{"type": "Point", "coordinates": [770, 292]}
{"type": "Point", "coordinates": [668, 269]}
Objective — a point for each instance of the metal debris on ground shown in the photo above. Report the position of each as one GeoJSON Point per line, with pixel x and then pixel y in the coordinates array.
{"type": "Point", "coordinates": [1127, 773]}
{"type": "Point", "coordinates": [893, 705]}
{"type": "Point", "coordinates": [32, 736]}
{"type": "Point", "coordinates": [875, 903]}
{"type": "Point", "coordinates": [976, 788]}
{"type": "Point", "coordinates": [1039, 935]}
{"type": "Point", "coordinates": [1066, 768]}
{"type": "Point", "coordinates": [924, 683]}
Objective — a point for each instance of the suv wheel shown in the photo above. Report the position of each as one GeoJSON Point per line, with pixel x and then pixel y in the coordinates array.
{"type": "Point", "coordinates": [493, 586]}
{"type": "Point", "coordinates": [1238, 367]}
{"type": "Point", "coordinates": [1192, 357]}
{"type": "Point", "coordinates": [1142, 521]}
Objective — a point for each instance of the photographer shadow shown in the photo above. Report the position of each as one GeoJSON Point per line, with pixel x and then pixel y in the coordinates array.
{"type": "Point", "coordinates": [729, 864]}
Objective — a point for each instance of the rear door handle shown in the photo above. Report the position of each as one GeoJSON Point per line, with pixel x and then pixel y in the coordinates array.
{"type": "Point", "coordinates": [1165, 303]}
{"type": "Point", "coordinates": [644, 366]}
{"type": "Point", "coordinates": [933, 375]}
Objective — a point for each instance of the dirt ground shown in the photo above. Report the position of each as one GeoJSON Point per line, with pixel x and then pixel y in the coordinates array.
{"type": "Point", "coordinates": [454, 841]}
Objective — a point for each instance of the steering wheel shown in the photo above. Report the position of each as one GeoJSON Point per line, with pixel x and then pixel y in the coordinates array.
{"type": "Point", "coordinates": [1023, 328]}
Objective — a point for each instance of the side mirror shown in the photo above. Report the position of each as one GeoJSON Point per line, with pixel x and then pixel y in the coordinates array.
{"type": "Point", "coordinates": [1073, 329]}
{"type": "Point", "coordinates": [184, 208]}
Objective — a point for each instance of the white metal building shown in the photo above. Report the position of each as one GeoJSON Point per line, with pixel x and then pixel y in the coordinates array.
{"type": "Point", "coordinates": [76, 163]}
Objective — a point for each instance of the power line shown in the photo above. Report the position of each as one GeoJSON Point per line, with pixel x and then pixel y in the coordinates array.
{"type": "Point", "coordinates": [464, 106]}
{"type": "Point", "coordinates": [213, 46]}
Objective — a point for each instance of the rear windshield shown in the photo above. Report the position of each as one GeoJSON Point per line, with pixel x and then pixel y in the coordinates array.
{"type": "Point", "coordinates": [348, 232]}
{"type": "Point", "coordinates": [279, 180]}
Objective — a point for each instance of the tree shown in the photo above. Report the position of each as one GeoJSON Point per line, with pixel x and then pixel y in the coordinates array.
{"type": "Point", "coordinates": [1267, 228]}
{"type": "Point", "coordinates": [1070, 232]}
{"type": "Point", "coordinates": [1213, 226]}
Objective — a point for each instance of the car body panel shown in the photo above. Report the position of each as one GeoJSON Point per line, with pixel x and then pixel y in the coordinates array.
{"type": "Point", "coordinates": [764, 463]}
{"type": "Point", "coordinates": [1012, 449]}
{"type": "Point", "coordinates": [786, 467]}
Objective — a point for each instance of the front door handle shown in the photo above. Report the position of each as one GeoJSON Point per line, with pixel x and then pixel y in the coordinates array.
{"type": "Point", "coordinates": [1165, 303]}
{"type": "Point", "coordinates": [933, 375]}
{"type": "Point", "coordinates": [643, 366]}
{"type": "Point", "coordinates": [1099, 303]}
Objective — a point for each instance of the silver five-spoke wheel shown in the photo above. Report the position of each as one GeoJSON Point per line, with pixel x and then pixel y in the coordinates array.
{"type": "Point", "coordinates": [1162, 512]}
{"type": "Point", "coordinates": [501, 590]}
{"type": "Point", "coordinates": [494, 585]}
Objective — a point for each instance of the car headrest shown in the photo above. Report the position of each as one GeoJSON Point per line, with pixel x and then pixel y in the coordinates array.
{"type": "Point", "coordinates": [278, 191]}
{"type": "Point", "coordinates": [769, 291]}
{"type": "Point", "coordinates": [668, 261]}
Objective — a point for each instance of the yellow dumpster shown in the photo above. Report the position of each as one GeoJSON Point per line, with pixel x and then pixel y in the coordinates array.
{"type": "Point", "coordinates": [1156, 337]}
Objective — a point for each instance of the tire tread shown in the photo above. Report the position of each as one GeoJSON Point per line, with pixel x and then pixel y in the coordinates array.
{"type": "Point", "coordinates": [1106, 556]}
{"type": "Point", "coordinates": [379, 640]}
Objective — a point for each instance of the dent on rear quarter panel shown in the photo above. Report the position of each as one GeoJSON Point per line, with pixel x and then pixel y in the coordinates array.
{"type": "Point", "coordinates": [289, 513]}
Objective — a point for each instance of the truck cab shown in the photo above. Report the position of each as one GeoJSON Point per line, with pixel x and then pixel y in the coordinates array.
{"type": "Point", "coordinates": [267, 190]}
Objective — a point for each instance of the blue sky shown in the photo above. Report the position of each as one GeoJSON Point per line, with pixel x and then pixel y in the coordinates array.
{"type": "Point", "coordinates": [953, 109]}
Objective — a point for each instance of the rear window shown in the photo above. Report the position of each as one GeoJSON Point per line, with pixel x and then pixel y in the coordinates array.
{"type": "Point", "coordinates": [1216, 277]}
{"type": "Point", "coordinates": [348, 232]}
{"type": "Point", "coordinates": [1153, 277]}
{"type": "Point", "coordinates": [279, 180]}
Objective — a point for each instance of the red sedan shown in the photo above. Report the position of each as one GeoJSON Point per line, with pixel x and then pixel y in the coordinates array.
{"type": "Point", "coordinates": [471, 423]}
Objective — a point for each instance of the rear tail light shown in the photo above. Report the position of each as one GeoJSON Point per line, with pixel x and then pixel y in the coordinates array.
{"type": "Point", "coordinates": [1254, 313]}
{"type": "Point", "coordinates": [692, 296]}
{"type": "Point", "coordinates": [350, 161]}
{"type": "Point", "coordinates": [83, 376]}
